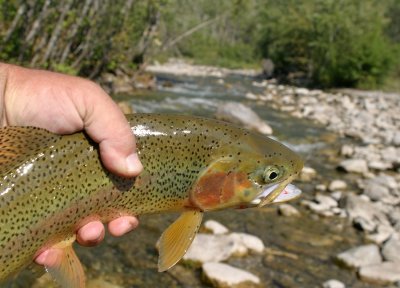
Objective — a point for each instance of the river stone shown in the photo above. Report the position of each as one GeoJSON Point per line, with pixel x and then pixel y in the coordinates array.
{"type": "Point", "coordinates": [215, 227]}
{"type": "Point", "coordinates": [333, 283]}
{"type": "Point", "coordinates": [251, 242]}
{"type": "Point", "coordinates": [225, 276]}
{"type": "Point", "coordinates": [382, 233]}
{"type": "Point", "coordinates": [216, 248]}
{"type": "Point", "coordinates": [337, 185]}
{"type": "Point", "coordinates": [360, 256]}
{"type": "Point", "coordinates": [376, 191]}
{"type": "Point", "coordinates": [383, 273]}
{"type": "Point", "coordinates": [391, 249]}
{"type": "Point", "coordinates": [242, 115]}
{"type": "Point", "coordinates": [396, 138]}
{"type": "Point", "coordinates": [212, 248]}
{"type": "Point", "coordinates": [347, 150]}
{"type": "Point", "coordinates": [354, 166]}
{"type": "Point", "coordinates": [365, 214]}
{"type": "Point", "coordinates": [307, 174]}
{"type": "Point", "coordinates": [288, 210]}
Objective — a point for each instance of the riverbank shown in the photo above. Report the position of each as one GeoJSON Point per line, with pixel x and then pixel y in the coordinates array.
{"type": "Point", "coordinates": [367, 193]}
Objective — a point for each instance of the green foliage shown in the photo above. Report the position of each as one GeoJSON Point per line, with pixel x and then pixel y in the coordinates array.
{"type": "Point", "coordinates": [226, 39]}
{"type": "Point", "coordinates": [322, 42]}
{"type": "Point", "coordinates": [331, 42]}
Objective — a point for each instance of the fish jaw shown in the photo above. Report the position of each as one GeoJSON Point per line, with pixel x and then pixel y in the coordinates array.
{"type": "Point", "coordinates": [289, 193]}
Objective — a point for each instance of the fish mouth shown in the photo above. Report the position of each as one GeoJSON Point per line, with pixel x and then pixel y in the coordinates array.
{"type": "Point", "coordinates": [289, 192]}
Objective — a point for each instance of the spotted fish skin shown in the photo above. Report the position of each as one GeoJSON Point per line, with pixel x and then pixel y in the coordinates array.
{"type": "Point", "coordinates": [51, 185]}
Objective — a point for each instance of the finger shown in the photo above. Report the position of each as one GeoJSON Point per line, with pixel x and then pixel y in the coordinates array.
{"type": "Point", "coordinates": [49, 257]}
{"type": "Point", "coordinates": [122, 225]}
{"type": "Point", "coordinates": [106, 124]}
{"type": "Point", "coordinates": [91, 234]}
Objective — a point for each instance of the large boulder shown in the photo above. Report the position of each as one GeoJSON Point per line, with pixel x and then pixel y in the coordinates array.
{"type": "Point", "coordinates": [240, 114]}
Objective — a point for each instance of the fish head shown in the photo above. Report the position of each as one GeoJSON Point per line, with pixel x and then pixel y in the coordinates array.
{"type": "Point", "coordinates": [254, 172]}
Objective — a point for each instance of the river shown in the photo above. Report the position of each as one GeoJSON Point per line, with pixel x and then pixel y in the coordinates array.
{"type": "Point", "coordinates": [308, 243]}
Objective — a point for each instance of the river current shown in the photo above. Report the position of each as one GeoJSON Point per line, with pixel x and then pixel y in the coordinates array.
{"type": "Point", "coordinates": [302, 249]}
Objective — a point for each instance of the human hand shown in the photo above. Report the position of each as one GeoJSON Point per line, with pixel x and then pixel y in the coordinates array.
{"type": "Point", "coordinates": [66, 104]}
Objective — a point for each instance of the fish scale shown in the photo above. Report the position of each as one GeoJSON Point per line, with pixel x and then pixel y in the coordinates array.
{"type": "Point", "coordinates": [51, 185]}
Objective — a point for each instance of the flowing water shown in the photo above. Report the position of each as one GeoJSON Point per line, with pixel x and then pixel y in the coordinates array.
{"type": "Point", "coordinates": [301, 249]}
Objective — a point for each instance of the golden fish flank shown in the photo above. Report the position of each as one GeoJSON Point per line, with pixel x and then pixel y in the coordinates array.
{"type": "Point", "coordinates": [51, 185]}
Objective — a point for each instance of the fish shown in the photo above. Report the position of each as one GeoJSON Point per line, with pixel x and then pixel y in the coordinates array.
{"type": "Point", "coordinates": [51, 185]}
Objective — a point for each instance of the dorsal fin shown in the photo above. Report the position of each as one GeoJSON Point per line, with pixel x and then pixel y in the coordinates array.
{"type": "Point", "coordinates": [18, 144]}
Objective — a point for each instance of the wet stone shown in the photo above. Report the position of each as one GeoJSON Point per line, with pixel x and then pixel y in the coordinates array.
{"type": "Point", "coordinates": [376, 191]}
{"type": "Point", "coordinates": [360, 256]}
{"type": "Point", "coordinates": [216, 248]}
{"type": "Point", "coordinates": [383, 273]}
{"type": "Point", "coordinates": [366, 215]}
{"type": "Point", "coordinates": [240, 114]}
{"type": "Point", "coordinates": [288, 210]}
{"type": "Point", "coordinates": [223, 276]}
{"type": "Point", "coordinates": [381, 234]}
{"type": "Point", "coordinates": [307, 174]}
{"type": "Point", "coordinates": [391, 249]}
{"type": "Point", "coordinates": [333, 283]}
{"type": "Point", "coordinates": [336, 185]}
{"type": "Point", "coordinates": [215, 227]}
{"type": "Point", "coordinates": [354, 166]}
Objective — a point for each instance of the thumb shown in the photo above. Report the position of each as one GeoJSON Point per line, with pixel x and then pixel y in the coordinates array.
{"type": "Point", "coordinates": [106, 124]}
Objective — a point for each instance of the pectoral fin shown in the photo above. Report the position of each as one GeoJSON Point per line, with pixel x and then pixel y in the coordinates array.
{"type": "Point", "coordinates": [175, 241]}
{"type": "Point", "coordinates": [66, 268]}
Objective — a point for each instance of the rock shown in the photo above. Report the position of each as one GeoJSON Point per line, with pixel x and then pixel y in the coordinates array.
{"type": "Point", "coordinates": [337, 185]}
{"type": "Point", "coordinates": [354, 166]}
{"type": "Point", "coordinates": [307, 174]}
{"type": "Point", "coordinates": [288, 210]}
{"type": "Point", "coordinates": [360, 256]}
{"type": "Point", "coordinates": [212, 248]}
{"type": "Point", "coordinates": [216, 248]}
{"type": "Point", "coordinates": [333, 284]}
{"type": "Point", "coordinates": [383, 273]}
{"type": "Point", "coordinates": [365, 214]}
{"type": "Point", "coordinates": [337, 195]}
{"type": "Point", "coordinates": [251, 242]}
{"type": "Point", "coordinates": [225, 276]}
{"type": "Point", "coordinates": [215, 227]}
{"type": "Point", "coordinates": [320, 187]}
{"type": "Point", "coordinates": [240, 114]}
{"type": "Point", "coordinates": [347, 150]}
{"type": "Point", "coordinates": [326, 202]}
{"type": "Point", "coordinates": [391, 249]}
{"type": "Point", "coordinates": [376, 191]}
{"type": "Point", "coordinates": [382, 233]}
{"type": "Point", "coordinates": [396, 139]}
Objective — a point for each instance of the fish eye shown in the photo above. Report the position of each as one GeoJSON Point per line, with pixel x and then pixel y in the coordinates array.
{"type": "Point", "coordinates": [271, 173]}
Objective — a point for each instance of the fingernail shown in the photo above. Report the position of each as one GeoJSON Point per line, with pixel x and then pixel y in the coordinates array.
{"type": "Point", "coordinates": [133, 164]}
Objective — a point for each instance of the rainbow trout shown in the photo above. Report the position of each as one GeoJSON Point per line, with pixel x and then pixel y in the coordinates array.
{"type": "Point", "coordinates": [51, 185]}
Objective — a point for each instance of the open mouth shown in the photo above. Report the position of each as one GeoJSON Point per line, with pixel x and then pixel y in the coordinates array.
{"type": "Point", "coordinates": [288, 193]}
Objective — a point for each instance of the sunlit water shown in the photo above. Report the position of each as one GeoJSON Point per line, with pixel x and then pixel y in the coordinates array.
{"type": "Point", "coordinates": [306, 245]}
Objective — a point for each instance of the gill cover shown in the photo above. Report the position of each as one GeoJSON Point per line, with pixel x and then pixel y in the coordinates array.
{"type": "Point", "coordinates": [222, 185]}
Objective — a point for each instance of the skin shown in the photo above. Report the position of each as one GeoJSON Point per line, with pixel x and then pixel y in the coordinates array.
{"type": "Point", "coordinates": [65, 104]}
